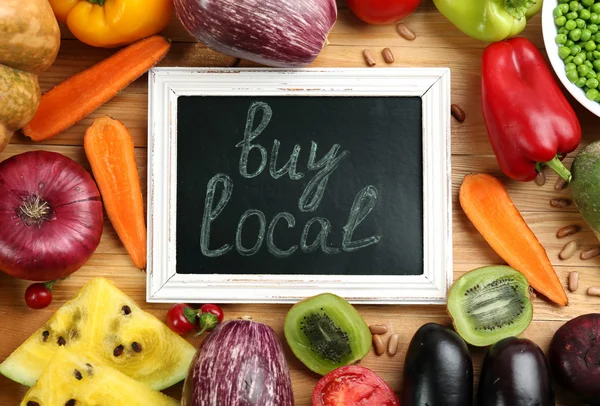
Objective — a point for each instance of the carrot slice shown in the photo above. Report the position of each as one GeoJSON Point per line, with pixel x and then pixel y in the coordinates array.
{"type": "Point", "coordinates": [109, 149]}
{"type": "Point", "coordinates": [487, 204]}
{"type": "Point", "coordinates": [76, 97]}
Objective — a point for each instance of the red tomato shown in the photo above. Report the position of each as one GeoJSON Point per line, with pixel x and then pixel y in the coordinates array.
{"type": "Point", "coordinates": [38, 296]}
{"type": "Point", "coordinates": [382, 11]}
{"type": "Point", "coordinates": [214, 309]}
{"type": "Point", "coordinates": [181, 318]}
{"type": "Point", "coordinates": [353, 385]}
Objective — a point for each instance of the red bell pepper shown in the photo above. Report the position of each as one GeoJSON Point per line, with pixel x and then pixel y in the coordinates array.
{"type": "Point", "coordinates": [529, 121]}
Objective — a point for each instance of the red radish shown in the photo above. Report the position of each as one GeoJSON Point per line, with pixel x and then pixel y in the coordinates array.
{"type": "Point", "coordinates": [281, 33]}
{"type": "Point", "coordinates": [50, 215]}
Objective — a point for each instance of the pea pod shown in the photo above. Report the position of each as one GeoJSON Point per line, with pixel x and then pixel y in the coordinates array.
{"type": "Point", "coordinates": [489, 20]}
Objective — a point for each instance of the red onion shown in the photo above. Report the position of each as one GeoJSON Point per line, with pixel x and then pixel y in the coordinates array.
{"type": "Point", "coordinates": [50, 216]}
{"type": "Point", "coordinates": [280, 33]}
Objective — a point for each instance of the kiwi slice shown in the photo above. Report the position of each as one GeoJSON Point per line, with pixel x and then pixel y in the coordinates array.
{"type": "Point", "coordinates": [326, 332]}
{"type": "Point", "coordinates": [490, 303]}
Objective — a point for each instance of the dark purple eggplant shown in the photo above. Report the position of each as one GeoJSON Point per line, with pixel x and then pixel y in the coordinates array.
{"type": "Point", "coordinates": [438, 370]}
{"type": "Point", "coordinates": [280, 33]}
{"type": "Point", "coordinates": [241, 363]}
{"type": "Point", "coordinates": [515, 372]}
{"type": "Point", "coordinates": [575, 357]}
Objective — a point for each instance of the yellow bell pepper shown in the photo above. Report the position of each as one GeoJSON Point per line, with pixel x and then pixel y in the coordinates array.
{"type": "Point", "coordinates": [113, 23]}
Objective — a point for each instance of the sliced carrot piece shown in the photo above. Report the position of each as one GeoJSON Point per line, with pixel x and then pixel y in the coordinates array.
{"type": "Point", "coordinates": [109, 149]}
{"type": "Point", "coordinates": [487, 204]}
{"type": "Point", "coordinates": [76, 97]}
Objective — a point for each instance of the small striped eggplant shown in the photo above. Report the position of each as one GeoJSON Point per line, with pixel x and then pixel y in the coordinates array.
{"type": "Point", "coordinates": [278, 33]}
{"type": "Point", "coordinates": [241, 363]}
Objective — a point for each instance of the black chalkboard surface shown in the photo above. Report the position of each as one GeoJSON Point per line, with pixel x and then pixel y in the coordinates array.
{"type": "Point", "coordinates": [299, 185]}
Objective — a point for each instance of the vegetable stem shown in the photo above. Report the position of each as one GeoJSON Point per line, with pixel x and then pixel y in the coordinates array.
{"type": "Point", "coordinates": [98, 2]}
{"type": "Point", "coordinates": [559, 168]}
{"type": "Point", "coordinates": [518, 8]}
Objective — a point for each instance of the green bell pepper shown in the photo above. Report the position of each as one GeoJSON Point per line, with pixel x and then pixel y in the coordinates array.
{"type": "Point", "coordinates": [489, 20]}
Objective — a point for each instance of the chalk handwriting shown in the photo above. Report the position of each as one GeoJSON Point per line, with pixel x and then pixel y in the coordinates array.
{"type": "Point", "coordinates": [273, 249]}
{"type": "Point", "coordinates": [261, 233]}
{"type": "Point", "coordinates": [211, 214]}
{"type": "Point", "coordinates": [364, 202]}
{"type": "Point", "coordinates": [250, 134]}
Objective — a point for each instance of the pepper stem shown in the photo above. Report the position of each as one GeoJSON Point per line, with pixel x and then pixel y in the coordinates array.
{"type": "Point", "coordinates": [50, 284]}
{"type": "Point", "coordinates": [559, 168]}
{"type": "Point", "coordinates": [517, 8]}
{"type": "Point", "coordinates": [98, 2]}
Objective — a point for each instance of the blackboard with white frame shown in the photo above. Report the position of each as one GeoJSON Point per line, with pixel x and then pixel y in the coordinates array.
{"type": "Point", "coordinates": [270, 185]}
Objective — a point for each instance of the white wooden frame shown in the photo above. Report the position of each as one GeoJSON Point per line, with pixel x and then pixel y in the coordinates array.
{"type": "Point", "coordinates": [164, 285]}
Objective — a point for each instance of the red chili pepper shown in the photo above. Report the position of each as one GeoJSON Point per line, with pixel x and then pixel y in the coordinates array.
{"type": "Point", "coordinates": [529, 121]}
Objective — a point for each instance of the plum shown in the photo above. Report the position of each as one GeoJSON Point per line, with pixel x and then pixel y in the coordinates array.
{"type": "Point", "coordinates": [575, 357]}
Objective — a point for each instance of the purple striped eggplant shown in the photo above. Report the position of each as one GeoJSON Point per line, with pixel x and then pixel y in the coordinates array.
{"type": "Point", "coordinates": [279, 33]}
{"type": "Point", "coordinates": [241, 363]}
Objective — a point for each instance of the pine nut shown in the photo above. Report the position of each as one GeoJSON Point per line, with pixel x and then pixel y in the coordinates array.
{"type": "Point", "coordinates": [457, 113]}
{"type": "Point", "coordinates": [388, 56]}
{"type": "Point", "coordinates": [568, 250]}
{"type": "Point", "coordinates": [573, 281]}
{"type": "Point", "coordinates": [591, 253]}
{"type": "Point", "coordinates": [560, 184]}
{"type": "Point", "coordinates": [369, 57]}
{"type": "Point", "coordinates": [393, 344]}
{"type": "Point", "coordinates": [540, 179]}
{"type": "Point", "coordinates": [593, 291]}
{"type": "Point", "coordinates": [378, 343]}
{"type": "Point", "coordinates": [560, 203]}
{"type": "Point", "coordinates": [378, 328]}
{"type": "Point", "coordinates": [406, 32]}
{"type": "Point", "coordinates": [567, 231]}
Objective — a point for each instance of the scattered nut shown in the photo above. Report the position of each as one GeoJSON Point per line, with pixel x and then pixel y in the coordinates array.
{"type": "Point", "coordinates": [378, 343]}
{"type": "Point", "coordinates": [393, 344]}
{"type": "Point", "coordinates": [560, 203]}
{"type": "Point", "coordinates": [532, 294]}
{"type": "Point", "coordinates": [591, 253]}
{"type": "Point", "coordinates": [560, 184]}
{"type": "Point", "coordinates": [406, 32]}
{"type": "Point", "coordinates": [568, 250]}
{"type": "Point", "coordinates": [573, 281]}
{"type": "Point", "coordinates": [457, 113]}
{"type": "Point", "coordinates": [540, 179]}
{"type": "Point", "coordinates": [369, 57]}
{"type": "Point", "coordinates": [378, 328]}
{"type": "Point", "coordinates": [388, 56]}
{"type": "Point", "coordinates": [567, 231]}
{"type": "Point", "coordinates": [593, 291]}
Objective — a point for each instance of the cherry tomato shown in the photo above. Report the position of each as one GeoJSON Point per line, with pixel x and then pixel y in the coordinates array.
{"type": "Point", "coordinates": [181, 318]}
{"type": "Point", "coordinates": [353, 385]}
{"type": "Point", "coordinates": [38, 295]}
{"type": "Point", "coordinates": [382, 11]}
{"type": "Point", "coordinates": [214, 309]}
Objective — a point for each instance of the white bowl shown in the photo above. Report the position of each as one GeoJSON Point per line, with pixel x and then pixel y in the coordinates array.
{"type": "Point", "coordinates": [550, 31]}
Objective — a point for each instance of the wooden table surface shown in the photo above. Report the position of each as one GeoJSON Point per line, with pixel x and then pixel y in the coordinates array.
{"type": "Point", "coordinates": [438, 44]}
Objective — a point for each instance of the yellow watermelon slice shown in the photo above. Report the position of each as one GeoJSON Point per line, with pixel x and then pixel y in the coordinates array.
{"type": "Point", "coordinates": [74, 379]}
{"type": "Point", "coordinates": [105, 322]}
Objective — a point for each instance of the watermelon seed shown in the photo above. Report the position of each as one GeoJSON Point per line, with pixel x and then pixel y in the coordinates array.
{"type": "Point", "coordinates": [61, 341]}
{"type": "Point", "coordinates": [71, 402]}
{"type": "Point", "coordinates": [136, 347]}
{"type": "Point", "coordinates": [45, 335]}
{"type": "Point", "coordinates": [32, 403]}
{"type": "Point", "coordinates": [90, 369]}
{"type": "Point", "coordinates": [118, 351]}
{"type": "Point", "coordinates": [78, 375]}
{"type": "Point", "coordinates": [126, 310]}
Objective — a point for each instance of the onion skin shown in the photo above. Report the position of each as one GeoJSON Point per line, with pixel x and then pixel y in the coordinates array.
{"type": "Point", "coordinates": [278, 33]}
{"type": "Point", "coordinates": [61, 244]}
{"type": "Point", "coordinates": [241, 363]}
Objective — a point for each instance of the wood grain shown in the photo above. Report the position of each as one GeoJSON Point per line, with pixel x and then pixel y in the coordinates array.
{"type": "Point", "coordinates": [438, 43]}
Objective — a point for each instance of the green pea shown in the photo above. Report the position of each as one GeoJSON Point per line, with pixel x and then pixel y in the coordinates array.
{"type": "Point", "coordinates": [578, 60]}
{"type": "Point", "coordinates": [564, 8]}
{"type": "Point", "coordinates": [593, 28]}
{"type": "Point", "coordinates": [570, 66]}
{"type": "Point", "coordinates": [564, 1]}
{"type": "Point", "coordinates": [580, 23]}
{"type": "Point", "coordinates": [563, 52]}
{"type": "Point", "coordinates": [569, 59]}
{"type": "Point", "coordinates": [597, 99]}
{"type": "Point", "coordinates": [588, 64]}
{"type": "Point", "coordinates": [590, 46]}
{"type": "Point", "coordinates": [583, 55]}
{"type": "Point", "coordinates": [596, 37]}
{"type": "Point", "coordinates": [562, 30]}
{"type": "Point", "coordinates": [580, 82]}
{"type": "Point", "coordinates": [582, 70]}
{"type": "Point", "coordinates": [570, 25]}
{"type": "Point", "coordinates": [575, 49]}
{"type": "Point", "coordinates": [561, 39]}
{"type": "Point", "coordinates": [596, 64]}
{"type": "Point", "coordinates": [589, 56]}
{"type": "Point", "coordinates": [575, 35]}
{"type": "Point", "coordinates": [572, 76]}
{"type": "Point", "coordinates": [583, 14]}
{"type": "Point", "coordinates": [586, 3]}
{"type": "Point", "coordinates": [595, 8]}
{"type": "Point", "coordinates": [591, 75]}
{"type": "Point", "coordinates": [585, 35]}
{"type": "Point", "coordinates": [572, 15]}
{"type": "Point", "coordinates": [560, 21]}
{"type": "Point", "coordinates": [569, 43]}
{"type": "Point", "coordinates": [596, 55]}
{"type": "Point", "coordinates": [574, 5]}
{"type": "Point", "coordinates": [592, 94]}
{"type": "Point", "coordinates": [557, 12]}
{"type": "Point", "coordinates": [594, 18]}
